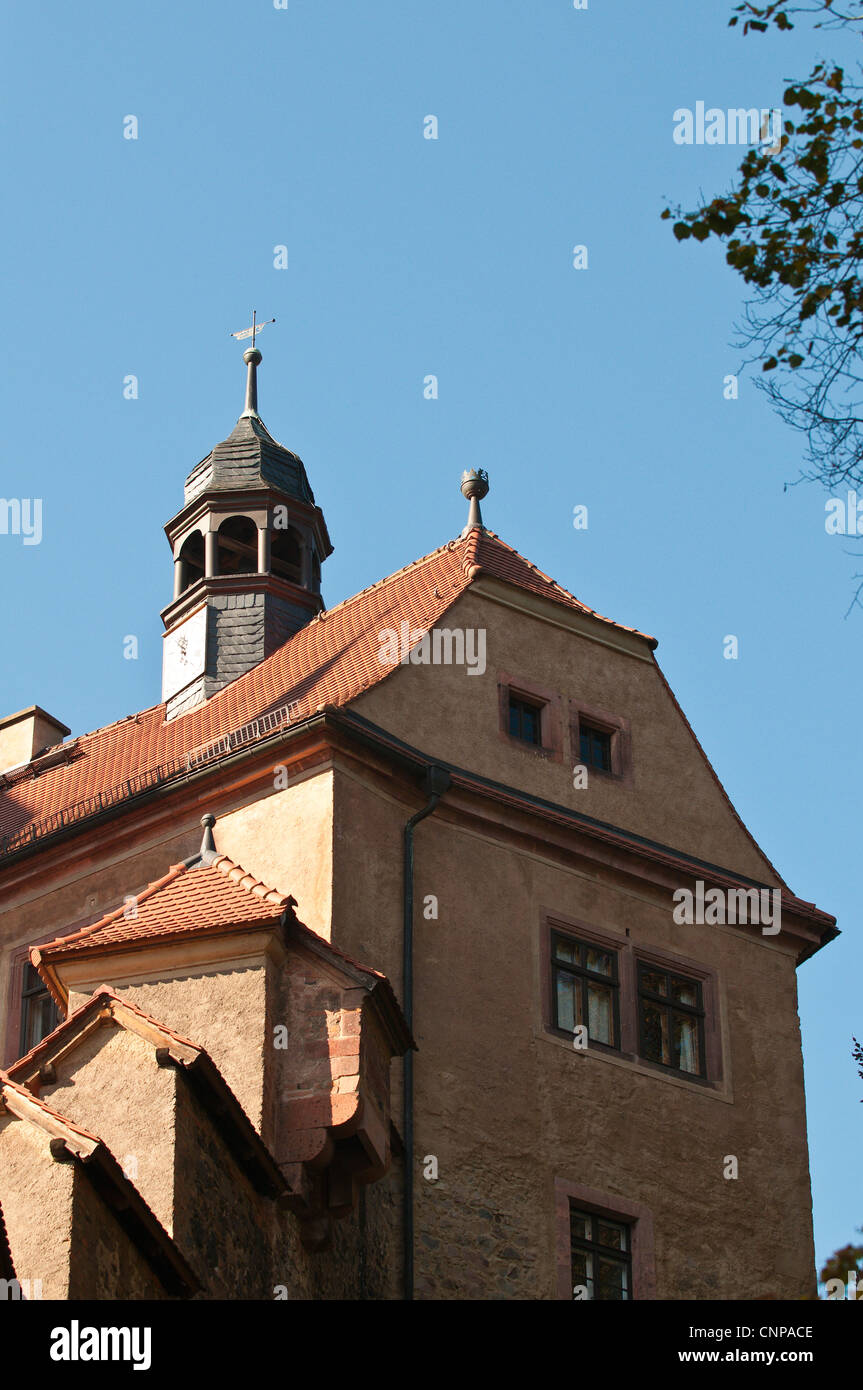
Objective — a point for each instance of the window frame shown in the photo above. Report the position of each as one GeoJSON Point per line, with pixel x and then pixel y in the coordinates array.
{"type": "Point", "coordinates": [27, 996]}
{"type": "Point", "coordinates": [636, 1215]}
{"type": "Point", "coordinates": [619, 733]}
{"type": "Point", "coordinates": [593, 733]}
{"type": "Point", "coordinates": [585, 976]}
{"type": "Point", "coordinates": [671, 1006]}
{"type": "Point", "coordinates": [524, 704]}
{"type": "Point", "coordinates": [595, 1247]}
{"type": "Point", "coordinates": [549, 703]}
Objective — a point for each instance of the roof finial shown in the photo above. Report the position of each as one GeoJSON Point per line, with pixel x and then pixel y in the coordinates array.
{"type": "Point", "coordinates": [208, 844]}
{"type": "Point", "coordinates": [474, 485]}
{"type": "Point", "coordinates": [252, 357]}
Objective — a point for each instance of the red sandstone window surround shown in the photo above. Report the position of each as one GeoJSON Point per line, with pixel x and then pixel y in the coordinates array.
{"type": "Point", "coordinates": [616, 985]}
{"type": "Point", "coordinates": [530, 717]}
{"type": "Point", "coordinates": [635, 1218]}
{"type": "Point", "coordinates": [601, 742]}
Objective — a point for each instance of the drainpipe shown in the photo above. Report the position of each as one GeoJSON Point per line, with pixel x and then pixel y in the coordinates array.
{"type": "Point", "coordinates": [437, 781]}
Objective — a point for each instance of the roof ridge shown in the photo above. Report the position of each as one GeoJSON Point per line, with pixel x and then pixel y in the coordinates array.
{"type": "Point", "coordinates": [227, 866]}
{"type": "Point", "coordinates": [555, 584]}
{"type": "Point", "coordinates": [378, 584]}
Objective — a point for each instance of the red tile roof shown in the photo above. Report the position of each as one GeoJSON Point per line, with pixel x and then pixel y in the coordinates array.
{"type": "Point", "coordinates": [189, 900]}
{"type": "Point", "coordinates": [331, 661]}
{"type": "Point", "coordinates": [185, 901]}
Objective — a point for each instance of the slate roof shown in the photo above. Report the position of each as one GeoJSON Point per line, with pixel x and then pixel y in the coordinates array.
{"type": "Point", "coordinates": [330, 661]}
{"type": "Point", "coordinates": [250, 458]}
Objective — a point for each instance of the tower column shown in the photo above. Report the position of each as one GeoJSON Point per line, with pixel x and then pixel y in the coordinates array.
{"type": "Point", "coordinates": [264, 549]}
{"type": "Point", "coordinates": [210, 553]}
{"type": "Point", "coordinates": [179, 576]}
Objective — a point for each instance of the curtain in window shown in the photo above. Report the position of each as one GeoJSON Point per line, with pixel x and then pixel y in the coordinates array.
{"type": "Point", "coordinates": [599, 1014]}
{"type": "Point", "coordinates": [687, 1043]}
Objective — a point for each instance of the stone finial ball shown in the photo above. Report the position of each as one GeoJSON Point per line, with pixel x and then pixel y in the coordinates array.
{"type": "Point", "coordinates": [474, 483]}
{"type": "Point", "coordinates": [252, 355]}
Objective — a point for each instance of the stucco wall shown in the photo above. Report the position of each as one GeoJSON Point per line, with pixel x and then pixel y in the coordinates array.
{"type": "Point", "coordinates": [112, 1086]}
{"type": "Point", "coordinates": [223, 1011]}
{"type": "Point", "coordinates": [455, 716]}
{"type": "Point", "coordinates": [36, 1197]}
{"type": "Point", "coordinates": [506, 1108]}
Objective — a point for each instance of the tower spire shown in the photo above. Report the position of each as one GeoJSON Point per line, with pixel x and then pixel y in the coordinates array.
{"type": "Point", "coordinates": [252, 358]}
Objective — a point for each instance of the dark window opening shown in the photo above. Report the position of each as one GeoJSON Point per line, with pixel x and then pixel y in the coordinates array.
{"type": "Point", "coordinates": [585, 989]}
{"type": "Point", "coordinates": [286, 555]}
{"type": "Point", "coordinates": [191, 560]}
{"type": "Point", "coordinates": [594, 747]}
{"type": "Point", "coordinates": [525, 720]}
{"type": "Point", "coordinates": [39, 1013]}
{"type": "Point", "coordinates": [238, 546]}
{"type": "Point", "coordinates": [670, 1020]}
{"type": "Point", "coordinates": [601, 1256]}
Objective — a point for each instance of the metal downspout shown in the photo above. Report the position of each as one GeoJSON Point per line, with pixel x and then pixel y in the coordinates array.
{"type": "Point", "coordinates": [437, 781]}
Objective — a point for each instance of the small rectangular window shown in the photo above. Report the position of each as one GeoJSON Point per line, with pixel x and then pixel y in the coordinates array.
{"type": "Point", "coordinates": [525, 720]}
{"type": "Point", "coordinates": [601, 1256]}
{"type": "Point", "coordinates": [594, 747]}
{"type": "Point", "coordinates": [670, 1020]}
{"type": "Point", "coordinates": [585, 989]}
{"type": "Point", "coordinates": [39, 1015]}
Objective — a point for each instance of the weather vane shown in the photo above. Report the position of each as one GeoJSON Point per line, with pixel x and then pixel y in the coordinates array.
{"type": "Point", "coordinates": [255, 328]}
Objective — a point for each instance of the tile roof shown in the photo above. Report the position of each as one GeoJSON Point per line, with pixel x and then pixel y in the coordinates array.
{"type": "Point", "coordinates": [330, 661]}
{"type": "Point", "coordinates": [202, 897]}
{"type": "Point", "coordinates": [210, 896]}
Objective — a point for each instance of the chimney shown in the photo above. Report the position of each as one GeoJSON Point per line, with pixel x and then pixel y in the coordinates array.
{"type": "Point", "coordinates": [25, 735]}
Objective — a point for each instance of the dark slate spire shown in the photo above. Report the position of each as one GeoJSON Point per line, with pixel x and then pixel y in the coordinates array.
{"type": "Point", "coordinates": [250, 457]}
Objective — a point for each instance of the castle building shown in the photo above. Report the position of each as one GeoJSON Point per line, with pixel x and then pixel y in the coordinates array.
{"type": "Point", "coordinates": [409, 948]}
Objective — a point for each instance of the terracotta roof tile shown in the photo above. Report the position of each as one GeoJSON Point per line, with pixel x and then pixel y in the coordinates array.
{"type": "Point", "coordinates": [330, 661]}
{"type": "Point", "coordinates": [186, 900]}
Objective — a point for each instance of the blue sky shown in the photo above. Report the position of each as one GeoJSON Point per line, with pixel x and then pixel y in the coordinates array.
{"type": "Point", "coordinates": [304, 127]}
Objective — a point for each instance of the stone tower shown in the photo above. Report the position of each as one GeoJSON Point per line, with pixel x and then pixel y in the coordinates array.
{"type": "Point", "coordinates": [248, 544]}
